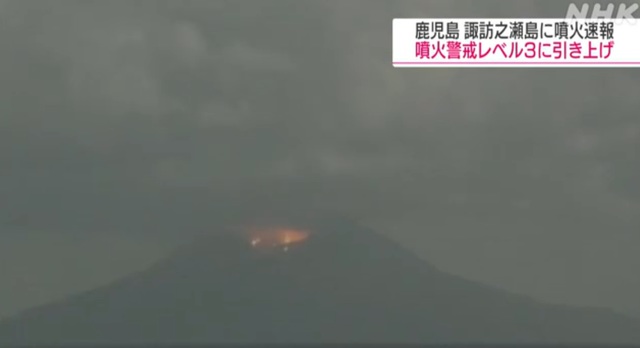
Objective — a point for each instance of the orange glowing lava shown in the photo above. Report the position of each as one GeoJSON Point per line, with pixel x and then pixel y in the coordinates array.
{"type": "Point", "coordinates": [274, 237]}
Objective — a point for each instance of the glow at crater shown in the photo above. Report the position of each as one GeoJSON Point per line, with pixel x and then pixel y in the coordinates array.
{"type": "Point", "coordinates": [277, 237]}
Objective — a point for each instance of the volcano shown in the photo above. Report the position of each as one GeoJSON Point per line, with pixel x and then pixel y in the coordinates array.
{"type": "Point", "coordinates": [333, 283]}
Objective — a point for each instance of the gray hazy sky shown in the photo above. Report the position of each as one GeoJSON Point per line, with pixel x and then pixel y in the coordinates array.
{"type": "Point", "coordinates": [128, 126]}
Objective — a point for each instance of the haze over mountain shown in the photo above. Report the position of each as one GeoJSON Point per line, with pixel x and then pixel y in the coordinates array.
{"type": "Point", "coordinates": [125, 121]}
{"type": "Point", "coordinates": [329, 282]}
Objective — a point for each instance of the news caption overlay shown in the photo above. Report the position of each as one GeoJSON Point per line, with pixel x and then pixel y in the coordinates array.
{"type": "Point", "coordinates": [430, 43]}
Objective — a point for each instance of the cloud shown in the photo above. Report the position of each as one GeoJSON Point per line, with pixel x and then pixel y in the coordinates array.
{"type": "Point", "coordinates": [167, 98]}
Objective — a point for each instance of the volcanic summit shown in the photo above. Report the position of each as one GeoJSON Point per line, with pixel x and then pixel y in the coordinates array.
{"type": "Point", "coordinates": [333, 282]}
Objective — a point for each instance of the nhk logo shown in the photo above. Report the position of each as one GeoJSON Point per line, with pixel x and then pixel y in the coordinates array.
{"type": "Point", "coordinates": [624, 12]}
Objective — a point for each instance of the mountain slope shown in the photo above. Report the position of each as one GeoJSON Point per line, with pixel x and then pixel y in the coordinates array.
{"type": "Point", "coordinates": [344, 284]}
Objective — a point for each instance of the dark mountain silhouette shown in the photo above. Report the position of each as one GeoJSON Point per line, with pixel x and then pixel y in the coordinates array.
{"type": "Point", "coordinates": [343, 284]}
